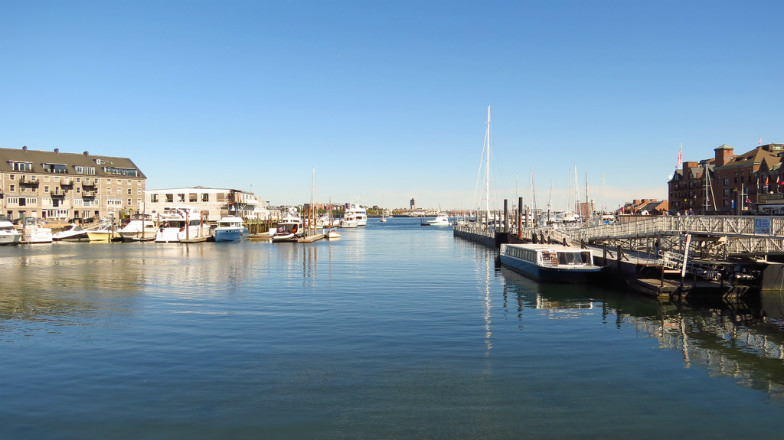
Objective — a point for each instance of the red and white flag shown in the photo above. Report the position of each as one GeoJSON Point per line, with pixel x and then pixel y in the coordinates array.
{"type": "Point", "coordinates": [679, 163]}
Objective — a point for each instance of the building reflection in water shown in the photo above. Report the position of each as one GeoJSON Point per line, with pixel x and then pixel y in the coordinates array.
{"type": "Point", "coordinates": [740, 340]}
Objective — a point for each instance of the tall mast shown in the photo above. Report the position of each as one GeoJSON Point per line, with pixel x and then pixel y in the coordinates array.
{"type": "Point", "coordinates": [487, 167]}
{"type": "Point", "coordinates": [576, 191]}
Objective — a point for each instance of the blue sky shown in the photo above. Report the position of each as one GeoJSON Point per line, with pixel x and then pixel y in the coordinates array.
{"type": "Point", "coordinates": [388, 99]}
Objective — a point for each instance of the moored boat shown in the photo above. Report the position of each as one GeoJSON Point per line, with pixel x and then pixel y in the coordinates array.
{"type": "Point", "coordinates": [141, 228]}
{"type": "Point", "coordinates": [8, 233]}
{"type": "Point", "coordinates": [104, 233]}
{"type": "Point", "coordinates": [289, 229]}
{"type": "Point", "coordinates": [550, 262]}
{"type": "Point", "coordinates": [72, 233]}
{"type": "Point", "coordinates": [230, 228]}
{"type": "Point", "coordinates": [181, 224]}
{"type": "Point", "coordinates": [33, 231]}
{"type": "Point", "coordinates": [440, 220]}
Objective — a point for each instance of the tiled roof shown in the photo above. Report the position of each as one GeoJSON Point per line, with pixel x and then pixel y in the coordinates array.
{"type": "Point", "coordinates": [36, 158]}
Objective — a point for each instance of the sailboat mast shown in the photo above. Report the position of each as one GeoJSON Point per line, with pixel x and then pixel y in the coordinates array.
{"type": "Point", "coordinates": [487, 167]}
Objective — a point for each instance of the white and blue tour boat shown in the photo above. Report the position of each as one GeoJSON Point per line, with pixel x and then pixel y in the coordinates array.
{"type": "Point", "coordinates": [550, 262]}
{"type": "Point", "coordinates": [230, 228]}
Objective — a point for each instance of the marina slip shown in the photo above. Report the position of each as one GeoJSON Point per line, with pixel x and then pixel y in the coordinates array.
{"type": "Point", "coordinates": [394, 331]}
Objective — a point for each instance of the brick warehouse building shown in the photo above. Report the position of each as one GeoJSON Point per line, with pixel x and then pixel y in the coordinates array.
{"type": "Point", "coordinates": [729, 184]}
{"type": "Point", "coordinates": [61, 186]}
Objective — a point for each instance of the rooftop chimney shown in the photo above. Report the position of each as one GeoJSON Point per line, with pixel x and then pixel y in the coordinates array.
{"type": "Point", "coordinates": [24, 148]}
{"type": "Point", "coordinates": [56, 150]}
{"type": "Point", "coordinates": [723, 155]}
{"type": "Point", "coordinates": [86, 153]}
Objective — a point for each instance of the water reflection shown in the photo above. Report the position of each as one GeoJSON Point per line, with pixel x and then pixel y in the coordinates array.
{"type": "Point", "coordinates": [739, 340]}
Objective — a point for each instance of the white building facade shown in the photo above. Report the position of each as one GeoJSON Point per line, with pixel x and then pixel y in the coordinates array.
{"type": "Point", "coordinates": [214, 202]}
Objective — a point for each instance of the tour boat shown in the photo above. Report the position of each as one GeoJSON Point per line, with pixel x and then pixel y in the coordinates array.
{"type": "Point", "coordinates": [550, 262]}
{"type": "Point", "coordinates": [140, 228]}
{"type": "Point", "coordinates": [230, 228]}
{"type": "Point", "coordinates": [181, 224]}
{"type": "Point", "coordinates": [348, 220]}
{"type": "Point", "coordinates": [8, 233]}
{"type": "Point", "coordinates": [289, 229]}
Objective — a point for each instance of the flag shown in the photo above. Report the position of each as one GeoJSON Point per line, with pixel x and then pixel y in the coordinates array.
{"type": "Point", "coordinates": [679, 163]}
{"type": "Point", "coordinates": [760, 140]}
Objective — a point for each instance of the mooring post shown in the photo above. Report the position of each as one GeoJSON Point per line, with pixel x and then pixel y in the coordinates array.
{"type": "Point", "coordinates": [506, 217]}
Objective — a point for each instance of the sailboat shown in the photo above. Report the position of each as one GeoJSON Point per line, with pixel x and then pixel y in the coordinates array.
{"type": "Point", "coordinates": [383, 211]}
{"type": "Point", "coordinates": [332, 234]}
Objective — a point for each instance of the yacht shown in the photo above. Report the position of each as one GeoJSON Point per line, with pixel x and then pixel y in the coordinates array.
{"type": "Point", "coordinates": [358, 213]}
{"type": "Point", "coordinates": [440, 220]}
{"type": "Point", "coordinates": [348, 220]}
{"type": "Point", "coordinates": [230, 228]}
{"type": "Point", "coordinates": [8, 233]}
{"type": "Point", "coordinates": [140, 228]}
{"type": "Point", "coordinates": [181, 224]}
{"type": "Point", "coordinates": [34, 231]}
{"type": "Point", "coordinates": [103, 233]}
{"type": "Point", "coordinates": [73, 233]}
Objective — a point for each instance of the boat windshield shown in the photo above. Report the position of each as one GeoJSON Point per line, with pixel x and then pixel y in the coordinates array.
{"type": "Point", "coordinates": [574, 258]}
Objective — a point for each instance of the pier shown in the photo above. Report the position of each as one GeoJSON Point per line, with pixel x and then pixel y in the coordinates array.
{"type": "Point", "coordinates": [664, 256]}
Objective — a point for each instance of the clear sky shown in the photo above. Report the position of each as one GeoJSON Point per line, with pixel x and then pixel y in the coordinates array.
{"type": "Point", "coordinates": [387, 100]}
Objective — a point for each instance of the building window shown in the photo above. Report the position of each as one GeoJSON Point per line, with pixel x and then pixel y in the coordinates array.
{"type": "Point", "coordinates": [129, 191]}
{"type": "Point", "coordinates": [169, 198]}
{"type": "Point", "coordinates": [46, 189]}
{"type": "Point", "coordinates": [54, 168]}
{"type": "Point", "coordinates": [154, 198]}
{"type": "Point", "coordinates": [84, 170]}
{"type": "Point", "coordinates": [205, 197]}
{"type": "Point", "coordinates": [192, 197]}
{"type": "Point", "coordinates": [11, 187]}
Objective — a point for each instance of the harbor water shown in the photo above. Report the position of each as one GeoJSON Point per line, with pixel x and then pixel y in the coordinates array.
{"type": "Point", "coordinates": [397, 331]}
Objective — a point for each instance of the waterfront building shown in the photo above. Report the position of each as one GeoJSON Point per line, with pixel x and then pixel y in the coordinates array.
{"type": "Point", "coordinates": [729, 184]}
{"type": "Point", "coordinates": [62, 186]}
{"type": "Point", "coordinates": [215, 202]}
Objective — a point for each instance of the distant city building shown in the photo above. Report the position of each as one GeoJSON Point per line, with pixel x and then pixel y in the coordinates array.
{"type": "Point", "coordinates": [731, 184]}
{"type": "Point", "coordinates": [412, 204]}
{"type": "Point", "coordinates": [61, 186]}
{"type": "Point", "coordinates": [215, 202]}
{"type": "Point", "coordinates": [645, 207]}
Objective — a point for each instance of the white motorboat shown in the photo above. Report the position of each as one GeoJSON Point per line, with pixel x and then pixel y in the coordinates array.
{"type": "Point", "coordinates": [230, 228]}
{"type": "Point", "coordinates": [103, 233]}
{"type": "Point", "coordinates": [181, 224]}
{"type": "Point", "coordinates": [550, 262]}
{"type": "Point", "coordinates": [289, 229]}
{"type": "Point", "coordinates": [72, 233]}
{"type": "Point", "coordinates": [333, 235]}
{"type": "Point", "coordinates": [34, 231]}
{"type": "Point", "coordinates": [141, 228]}
{"type": "Point", "coordinates": [348, 220]}
{"type": "Point", "coordinates": [440, 220]}
{"type": "Point", "coordinates": [8, 233]}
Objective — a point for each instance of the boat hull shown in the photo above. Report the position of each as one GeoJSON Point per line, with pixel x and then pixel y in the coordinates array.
{"type": "Point", "coordinates": [231, 234]}
{"type": "Point", "coordinates": [10, 239]}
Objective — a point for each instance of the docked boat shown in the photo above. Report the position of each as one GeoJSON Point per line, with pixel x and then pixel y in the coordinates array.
{"type": "Point", "coordinates": [140, 228]}
{"type": "Point", "coordinates": [358, 213]}
{"type": "Point", "coordinates": [181, 224]}
{"type": "Point", "coordinates": [8, 233]}
{"type": "Point", "coordinates": [33, 231]}
{"type": "Point", "coordinates": [71, 233]}
{"type": "Point", "coordinates": [333, 235]}
{"type": "Point", "coordinates": [230, 228]}
{"type": "Point", "coordinates": [440, 220]}
{"type": "Point", "coordinates": [289, 229]}
{"type": "Point", "coordinates": [103, 233]}
{"type": "Point", "coordinates": [348, 220]}
{"type": "Point", "coordinates": [550, 262]}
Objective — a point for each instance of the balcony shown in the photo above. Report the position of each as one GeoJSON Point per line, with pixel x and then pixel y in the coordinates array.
{"type": "Point", "coordinates": [66, 182]}
{"type": "Point", "coordinates": [88, 184]}
{"type": "Point", "coordinates": [89, 194]}
{"type": "Point", "coordinates": [58, 192]}
{"type": "Point", "coordinates": [28, 180]}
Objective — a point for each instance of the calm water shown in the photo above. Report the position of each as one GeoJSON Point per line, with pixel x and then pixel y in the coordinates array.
{"type": "Point", "coordinates": [394, 332]}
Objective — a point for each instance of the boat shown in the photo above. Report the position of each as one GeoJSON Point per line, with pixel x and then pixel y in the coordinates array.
{"type": "Point", "coordinates": [289, 229]}
{"type": "Point", "coordinates": [8, 233]}
{"type": "Point", "coordinates": [440, 220]}
{"type": "Point", "coordinates": [71, 233]}
{"type": "Point", "coordinates": [230, 228]}
{"type": "Point", "coordinates": [141, 228]}
{"type": "Point", "coordinates": [550, 262]}
{"type": "Point", "coordinates": [333, 235]}
{"type": "Point", "coordinates": [34, 231]}
{"type": "Point", "coordinates": [103, 233]}
{"type": "Point", "coordinates": [348, 220]}
{"type": "Point", "coordinates": [358, 213]}
{"type": "Point", "coordinates": [181, 224]}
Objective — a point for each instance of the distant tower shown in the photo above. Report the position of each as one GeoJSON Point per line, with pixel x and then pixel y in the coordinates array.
{"type": "Point", "coordinates": [412, 203]}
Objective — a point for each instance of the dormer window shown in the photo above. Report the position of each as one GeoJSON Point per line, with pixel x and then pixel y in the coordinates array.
{"type": "Point", "coordinates": [20, 166]}
{"type": "Point", "coordinates": [55, 168]}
